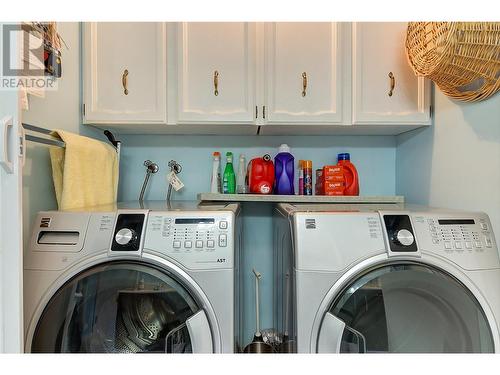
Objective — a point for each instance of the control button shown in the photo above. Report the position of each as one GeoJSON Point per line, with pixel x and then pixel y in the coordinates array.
{"type": "Point", "coordinates": [405, 237]}
{"type": "Point", "coordinates": [478, 244]}
{"type": "Point", "coordinates": [188, 244]}
{"type": "Point", "coordinates": [223, 224]}
{"type": "Point", "coordinates": [222, 240]}
{"type": "Point", "coordinates": [458, 245]}
{"type": "Point", "coordinates": [488, 242]}
{"type": "Point", "coordinates": [199, 244]}
{"type": "Point", "coordinates": [447, 245]}
{"type": "Point", "coordinates": [484, 226]}
{"type": "Point", "coordinates": [124, 236]}
{"type": "Point", "coordinates": [468, 245]}
{"type": "Point", "coordinates": [435, 241]}
{"type": "Point", "coordinates": [177, 244]}
{"type": "Point", "coordinates": [210, 244]}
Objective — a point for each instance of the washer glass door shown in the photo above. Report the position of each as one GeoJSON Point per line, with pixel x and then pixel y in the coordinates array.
{"type": "Point", "coordinates": [405, 308]}
{"type": "Point", "coordinates": [122, 307]}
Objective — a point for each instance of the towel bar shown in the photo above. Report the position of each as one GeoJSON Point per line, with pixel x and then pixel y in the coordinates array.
{"type": "Point", "coordinates": [50, 140]}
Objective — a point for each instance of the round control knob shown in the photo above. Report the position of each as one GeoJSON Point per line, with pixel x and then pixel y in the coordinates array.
{"type": "Point", "coordinates": [125, 236]}
{"type": "Point", "coordinates": [405, 237]}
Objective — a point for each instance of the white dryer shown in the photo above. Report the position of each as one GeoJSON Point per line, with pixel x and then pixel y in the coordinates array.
{"type": "Point", "coordinates": [386, 279]}
{"type": "Point", "coordinates": [134, 279]}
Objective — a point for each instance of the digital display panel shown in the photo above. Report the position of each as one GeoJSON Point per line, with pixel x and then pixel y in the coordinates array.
{"type": "Point", "coordinates": [195, 220]}
{"type": "Point", "coordinates": [456, 222]}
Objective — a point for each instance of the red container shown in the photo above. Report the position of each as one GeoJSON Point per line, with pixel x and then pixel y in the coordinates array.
{"type": "Point", "coordinates": [260, 175]}
{"type": "Point", "coordinates": [350, 174]}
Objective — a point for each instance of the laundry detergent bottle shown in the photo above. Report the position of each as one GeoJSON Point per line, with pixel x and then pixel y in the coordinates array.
{"type": "Point", "coordinates": [260, 175]}
{"type": "Point", "coordinates": [350, 174]}
{"type": "Point", "coordinates": [283, 167]}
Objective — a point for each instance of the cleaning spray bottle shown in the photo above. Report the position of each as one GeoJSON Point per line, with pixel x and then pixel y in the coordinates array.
{"type": "Point", "coordinates": [216, 183]}
{"type": "Point", "coordinates": [229, 179]}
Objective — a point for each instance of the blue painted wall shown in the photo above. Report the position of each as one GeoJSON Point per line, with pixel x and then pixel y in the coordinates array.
{"type": "Point", "coordinates": [374, 157]}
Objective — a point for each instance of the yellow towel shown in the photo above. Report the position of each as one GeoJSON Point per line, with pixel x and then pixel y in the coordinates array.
{"type": "Point", "coordinates": [85, 173]}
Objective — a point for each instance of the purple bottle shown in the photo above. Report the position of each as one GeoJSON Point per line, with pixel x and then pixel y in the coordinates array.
{"type": "Point", "coordinates": [283, 167]}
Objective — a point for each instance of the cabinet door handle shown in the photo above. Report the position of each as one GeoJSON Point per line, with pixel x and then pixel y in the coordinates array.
{"type": "Point", "coordinates": [6, 163]}
{"type": "Point", "coordinates": [216, 83]}
{"type": "Point", "coordinates": [393, 83]}
{"type": "Point", "coordinates": [304, 83]}
{"type": "Point", "coordinates": [125, 81]}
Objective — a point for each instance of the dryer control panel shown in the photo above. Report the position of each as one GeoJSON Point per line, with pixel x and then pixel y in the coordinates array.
{"type": "Point", "coordinates": [400, 233]}
{"type": "Point", "coordinates": [196, 240]}
{"type": "Point", "coordinates": [467, 240]}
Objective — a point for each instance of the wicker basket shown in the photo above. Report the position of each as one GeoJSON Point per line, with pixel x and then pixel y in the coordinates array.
{"type": "Point", "coordinates": [462, 58]}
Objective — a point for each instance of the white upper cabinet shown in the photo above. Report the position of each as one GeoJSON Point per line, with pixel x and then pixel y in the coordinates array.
{"type": "Point", "coordinates": [125, 73]}
{"type": "Point", "coordinates": [216, 66]}
{"type": "Point", "coordinates": [385, 90]}
{"type": "Point", "coordinates": [304, 73]}
{"type": "Point", "coordinates": [233, 77]}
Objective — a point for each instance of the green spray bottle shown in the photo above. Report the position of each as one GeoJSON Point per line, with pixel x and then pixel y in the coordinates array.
{"type": "Point", "coordinates": [229, 179]}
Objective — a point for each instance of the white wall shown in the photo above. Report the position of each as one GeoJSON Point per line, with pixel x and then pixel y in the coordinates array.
{"type": "Point", "coordinates": [456, 162]}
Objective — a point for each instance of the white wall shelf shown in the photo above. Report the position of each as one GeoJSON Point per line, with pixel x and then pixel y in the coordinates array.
{"type": "Point", "coordinates": [214, 197]}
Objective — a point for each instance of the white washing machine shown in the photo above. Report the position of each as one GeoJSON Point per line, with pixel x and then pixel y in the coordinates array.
{"type": "Point", "coordinates": [386, 279]}
{"type": "Point", "coordinates": [130, 279]}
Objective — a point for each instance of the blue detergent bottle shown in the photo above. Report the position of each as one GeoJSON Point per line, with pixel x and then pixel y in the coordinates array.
{"type": "Point", "coordinates": [283, 167]}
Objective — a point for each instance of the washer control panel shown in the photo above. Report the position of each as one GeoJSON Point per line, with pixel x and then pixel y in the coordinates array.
{"type": "Point", "coordinates": [468, 240]}
{"type": "Point", "coordinates": [199, 241]}
{"type": "Point", "coordinates": [128, 231]}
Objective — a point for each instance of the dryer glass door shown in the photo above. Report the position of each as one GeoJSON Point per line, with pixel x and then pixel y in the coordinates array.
{"type": "Point", "coordinates": [405, 308]}
{"type": "Point", "coordinates": [122, 307]}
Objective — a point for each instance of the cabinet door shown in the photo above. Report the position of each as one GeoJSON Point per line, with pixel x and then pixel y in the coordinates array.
{"type": "Point", "coordinates": [304, 73]}
{"type": "Point", "coordinates": [125, 73]}
{"type": "Point", "coordinates": [378, 52]}
{"type": "Point", "coordinates": [216, 72]}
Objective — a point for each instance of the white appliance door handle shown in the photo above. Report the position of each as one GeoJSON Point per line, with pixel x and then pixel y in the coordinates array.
{"type": "Point", "coordinates": [199, 332]}
{"type": "Point", "coordinates": [330, 334]}
{"type": "Point", "coordinates": [4, 154]}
